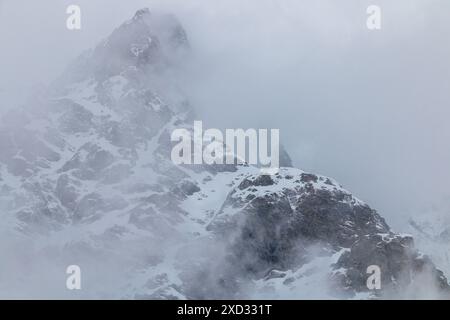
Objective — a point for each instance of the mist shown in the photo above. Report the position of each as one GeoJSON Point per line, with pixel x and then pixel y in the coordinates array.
{"type": "Point", "coordinates": [368, 108]}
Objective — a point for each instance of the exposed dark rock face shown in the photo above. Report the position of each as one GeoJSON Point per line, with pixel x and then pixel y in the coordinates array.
{"type": "Point", "coordinates": [399, 262]}
{"type": "Point", "coordinates": [276, 227]}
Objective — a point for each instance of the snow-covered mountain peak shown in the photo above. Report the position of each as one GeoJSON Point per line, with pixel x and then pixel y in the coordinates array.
{"type": "Point", "coordinates": [141, 47]}
{"type": "Point", "coordinates": [86, 178]}
{"type": "Point", "coordinates": [141, 14]}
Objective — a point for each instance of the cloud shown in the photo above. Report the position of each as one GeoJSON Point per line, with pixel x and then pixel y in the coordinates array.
{"type": "Point", "coordinates": [368, 108]}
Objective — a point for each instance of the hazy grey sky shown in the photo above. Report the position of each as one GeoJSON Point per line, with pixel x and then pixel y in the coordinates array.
{"type": "Point", "coordinates": [369, 108]}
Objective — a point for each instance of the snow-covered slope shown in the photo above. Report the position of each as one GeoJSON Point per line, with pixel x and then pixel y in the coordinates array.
{"type": "Point", "coordinates": [86, 179]}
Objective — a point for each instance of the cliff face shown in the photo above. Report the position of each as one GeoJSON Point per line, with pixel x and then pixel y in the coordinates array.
{"type": "Point", "coordinates": [86, 178]}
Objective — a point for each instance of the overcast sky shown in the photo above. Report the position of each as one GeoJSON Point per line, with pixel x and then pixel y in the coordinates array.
{"type": "Point", "coordinates": [369, 108]}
